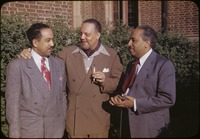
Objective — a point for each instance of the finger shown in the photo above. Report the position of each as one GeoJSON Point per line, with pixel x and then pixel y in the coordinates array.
{"type": "Point", "coordinates": [111, 102]}
{"type": "Point", "coordinates": [129, 97]}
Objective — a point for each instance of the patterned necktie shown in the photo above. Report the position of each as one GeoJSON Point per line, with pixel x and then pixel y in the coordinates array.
{"type": "Point", "coordinates": [130, 77]}
{"type": "Point", "coordinates": [45, 73]}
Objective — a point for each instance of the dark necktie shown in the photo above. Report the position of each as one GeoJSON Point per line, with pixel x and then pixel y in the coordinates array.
{"type": "Point", "coordinates": [45, 73]}
{"type": "Point", "coordinates": [130, 77]}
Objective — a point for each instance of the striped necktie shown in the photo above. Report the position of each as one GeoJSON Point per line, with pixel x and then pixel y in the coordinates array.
{"type": "Point", "coordinates": [45, 73]}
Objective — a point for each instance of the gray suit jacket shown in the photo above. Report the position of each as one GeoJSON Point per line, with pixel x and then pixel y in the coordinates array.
{"type": "Point", "coordinates": [155, 92]}
{"type": "Point", "coordinates": [32, 110]}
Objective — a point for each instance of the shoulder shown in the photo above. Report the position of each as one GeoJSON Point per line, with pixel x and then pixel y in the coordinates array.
{"type": "Point", "coordinates": [163, 60]}
{"type": "Point", "coordinates": [17, 62]}
{"type": "Point", "coordinates": [69, 48]}
{"type": "Point", "coordinates": [66, 51]}
{"type": "Point", "coordinates": [110, 50]}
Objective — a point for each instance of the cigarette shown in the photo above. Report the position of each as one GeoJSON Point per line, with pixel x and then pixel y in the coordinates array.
{"type": "Point", "coordinates": [94, 70]}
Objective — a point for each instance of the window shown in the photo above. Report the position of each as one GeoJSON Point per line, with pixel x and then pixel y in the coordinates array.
{"type": "Point", "coordinates": [133, 13]}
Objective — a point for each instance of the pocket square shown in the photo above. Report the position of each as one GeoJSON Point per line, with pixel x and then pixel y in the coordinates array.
{"type": "Point", "coordinates": [106, 70]}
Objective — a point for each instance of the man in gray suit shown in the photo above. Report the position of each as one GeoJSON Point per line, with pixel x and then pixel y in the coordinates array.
{"type": "Point", "coordinates": [36, 108]}
{"type": "Point", "coordinates": [148, 99]}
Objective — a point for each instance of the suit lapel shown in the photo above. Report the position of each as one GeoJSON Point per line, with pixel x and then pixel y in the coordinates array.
{"type": "Point", "coordinates": [78, 64]}
{"type": "Point", "coordinates": [35, 75]}
{"type": "Point", "coordinates": [145, 68]}
{"type": "Point", "coordinates": [55, 75]}
{"type": "Point", "coordinates": [99, 67]}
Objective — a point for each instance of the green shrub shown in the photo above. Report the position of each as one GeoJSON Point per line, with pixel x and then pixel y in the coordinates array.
{"type": "Point", "coordinates": [179, 49]}
{"type": "Point", "coordinates": [13, 40]}
{"type": "Point", "coordinates": [184, 54]}
{"type": "Point", "coordinates": [118, 39]}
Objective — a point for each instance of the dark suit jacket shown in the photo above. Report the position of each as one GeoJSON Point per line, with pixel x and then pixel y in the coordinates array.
{"type": "Point", "coordinates": [32, 110]}
{"type": "Point", "coordinates": [155, 92]}
{"type": "Point", "coordinates": [85, 114]}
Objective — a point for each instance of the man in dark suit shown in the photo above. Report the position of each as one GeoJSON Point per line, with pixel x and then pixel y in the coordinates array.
{"type": "Point", "coordinates": [148, 99]}
{"type": "Point", "coordinates": [36, 105]}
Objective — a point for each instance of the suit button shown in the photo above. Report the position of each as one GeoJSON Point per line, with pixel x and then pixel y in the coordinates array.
{"type": "Point", "coordinates": [73, 80]}
{"type": "Point", "coordinates": [35, 103]}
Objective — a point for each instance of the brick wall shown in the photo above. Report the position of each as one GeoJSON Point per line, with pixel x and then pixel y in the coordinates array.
{"type": "Point", "coordinates": [39, 10]}
{"type": "Point", "coordinates": [150, 13]}
{"type": "Point", "coordinates": [182, 16]}
{"type": "Point", "coordinates": [93, 9]}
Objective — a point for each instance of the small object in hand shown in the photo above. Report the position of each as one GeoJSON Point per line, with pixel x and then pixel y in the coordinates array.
{"type": "Point", "coordinates": [93, 71]}
{"type": "Point", "coordinates": [123, 97]}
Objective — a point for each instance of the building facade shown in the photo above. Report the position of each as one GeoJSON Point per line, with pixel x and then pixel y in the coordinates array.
{"type": "Point", "coordinates": [180, 17]}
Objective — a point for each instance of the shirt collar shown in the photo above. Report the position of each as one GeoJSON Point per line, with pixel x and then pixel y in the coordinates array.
{"type": "Point", "coordinates": [144, 57]}
{"type": "Point", "coordinates": [37, 58]}
{"type": "Point", "coordinates": [101, 49]}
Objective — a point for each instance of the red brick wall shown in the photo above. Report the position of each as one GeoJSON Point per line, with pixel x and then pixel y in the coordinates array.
{"type": "Point", "coordinates": [93, 9]}
{"type": "Point", "coordinates": [182, 16]}
{"type": "Point", "coordinates": [39, 10]}
{"type": "Point", "coordinates": [150, 13]}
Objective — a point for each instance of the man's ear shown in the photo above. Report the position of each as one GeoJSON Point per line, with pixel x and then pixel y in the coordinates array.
{"type": "Point", "coordinates": [35, 42]}
{"type": "Point", "coordinates": [149, 43]}
{"type": "Point", "coordinates": [98, 35]}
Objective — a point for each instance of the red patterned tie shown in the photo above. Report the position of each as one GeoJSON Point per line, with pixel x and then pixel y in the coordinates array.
{"type": "Point", "coordinates": [130, 77]}
{"type": "Point", "coordinates": [45, 73]}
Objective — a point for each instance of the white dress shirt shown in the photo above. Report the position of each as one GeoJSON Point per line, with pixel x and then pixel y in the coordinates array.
{"type": "Point", "coordinates": [37, 58]}
{"type": "Point", "coordinates": [139, 66]}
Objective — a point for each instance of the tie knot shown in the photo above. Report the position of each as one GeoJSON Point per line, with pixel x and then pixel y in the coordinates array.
{"type": "Point", "coordinates": [43, 60]}
{"type": "Point", "coordinates": [137, 61]}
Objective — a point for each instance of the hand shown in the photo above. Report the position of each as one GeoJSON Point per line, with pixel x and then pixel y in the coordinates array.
{"type": "Point", "coordinates": [122, 101]}
{"type": "Point", "coordinates": [25, 53]}
{"type": "Point", "coordinates": [99, 77]}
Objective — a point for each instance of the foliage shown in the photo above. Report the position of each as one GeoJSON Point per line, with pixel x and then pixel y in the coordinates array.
{"type": "Point", "coordinates": [183, 52]}
{"type": "Point", "coordinates": [118, 39]}
{"type": "Point", "coordinates": [12, 38]}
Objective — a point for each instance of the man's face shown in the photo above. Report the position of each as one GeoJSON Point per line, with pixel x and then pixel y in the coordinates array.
{"type": "Point", "coordinates": [89, 36]}
{"type": "Point", "coordinates": [138, 47]}
{"type": "Point", "coordinates": [44, 45]}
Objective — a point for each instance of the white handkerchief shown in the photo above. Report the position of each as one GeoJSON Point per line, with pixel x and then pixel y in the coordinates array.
{"type": "Point", "coordinates": [106, 70]}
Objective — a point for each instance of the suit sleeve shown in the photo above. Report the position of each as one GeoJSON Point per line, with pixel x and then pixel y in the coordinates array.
{"type": "Point", "coordinates": [112, 81]}
{"type": "Point", "coordinates": [12, 95]}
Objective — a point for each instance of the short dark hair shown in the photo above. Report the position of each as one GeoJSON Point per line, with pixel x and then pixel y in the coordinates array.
{"type": "Point", "coordinates": [148, 34]}
{"type": "Point", "coordinates": [95, 22]}
{"type": "Point", "coordinates": [34, 32]}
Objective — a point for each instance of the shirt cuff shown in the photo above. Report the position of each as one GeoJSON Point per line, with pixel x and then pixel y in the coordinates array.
{"type": "Point", "coordinates": [134, 105]}
{"type": "Point", "coordinates": [134, 108]}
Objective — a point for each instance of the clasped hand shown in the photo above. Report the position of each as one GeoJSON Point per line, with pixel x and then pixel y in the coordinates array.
{"type": "Point", "coordinates": [122, 101]}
